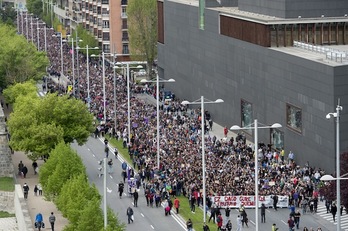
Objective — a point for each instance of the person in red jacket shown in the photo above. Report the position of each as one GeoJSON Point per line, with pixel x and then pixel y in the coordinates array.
{"type": "Point", "coordinates": [176, 204]}
{"type": "Point", "coordinates": [219, 221]}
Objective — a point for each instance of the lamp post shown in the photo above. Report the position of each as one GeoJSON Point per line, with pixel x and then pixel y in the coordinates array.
{"type": "Point", "coordinates": [128, 97]}
{"type": "Point", "coordinates": [45, 28]}
{"type": "Point", "coordinates": [201, 102]}
{"type": "Point", "coordinates": [338, 169]}
{"type": "Point", "coordinates": [61, 52]}
{"type": "Point", "coordinates": [88, 87]}
{"type": "Point", "coordinates": [157, 109]}
{"type": "Point", "coordinates": [256, 127]}
{"type": "Point", "coordinates": [31, 29]}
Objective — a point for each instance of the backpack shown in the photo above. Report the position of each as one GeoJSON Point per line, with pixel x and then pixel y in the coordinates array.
{"type": "Point", "coordinates": [218, 219]}
{"type": "Point", "coordinates": [130, 211]}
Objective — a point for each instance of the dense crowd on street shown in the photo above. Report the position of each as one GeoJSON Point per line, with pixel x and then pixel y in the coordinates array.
{"type": "Point", "coordinates": [229, 160]}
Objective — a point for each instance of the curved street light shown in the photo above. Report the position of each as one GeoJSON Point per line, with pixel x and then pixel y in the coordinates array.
{"type": "Point", "coordinates": [201, 101]}
{"type": "Point", "coordinates": [255, 128]}
{"type": "Point", "coordinates": [338, 167]}
{"type": "Point", "coordinates": [157, 109]}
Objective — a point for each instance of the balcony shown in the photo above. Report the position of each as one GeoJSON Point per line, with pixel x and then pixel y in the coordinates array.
{"type": "Point", "coordinates": [124, 15]}
{"type": "Point", "coordinates": [125, 39]}
{"type": "Point", "coordinates": [60, 12]}
{"type": "Point", "coordinates": [105, 16]}
{"type": "Point", "coordinates": [124, 2]}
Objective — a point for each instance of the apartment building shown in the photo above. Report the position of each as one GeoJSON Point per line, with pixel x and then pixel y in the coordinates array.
{"type": "Point", "coordinates": [105, 19]}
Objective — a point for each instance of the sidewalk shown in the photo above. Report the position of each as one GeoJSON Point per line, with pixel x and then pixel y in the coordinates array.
{"type": "Point", "coordinates": [35, 204]}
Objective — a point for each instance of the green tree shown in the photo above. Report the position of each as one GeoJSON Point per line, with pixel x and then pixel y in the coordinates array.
{"type": "Point", "coordinates": [8, 15]}
{"type": "Point", "coordinates": [34, 7]}
{"type": "Point", "coordinates": [21, 89]}
{"type": "Point", "coordinates": [28, 133]}
{"type": "Point", "coordinates": [38, 124]}
{"type": "Point", "coordinates": [66, 165]}
{"type": "Point", "coordinates": [19, 61]}
{"type": "Point", "coordinates": [87, 39]}
{"type": "Point", "coordinates": [114, 224]}
{"type": "Point", "coordinates": [142, 29]}
{"type": "Point", "coordinates": [73, 197]}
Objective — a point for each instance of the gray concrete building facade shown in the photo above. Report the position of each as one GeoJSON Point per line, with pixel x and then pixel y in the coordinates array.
{"type": "Point", "coordinates": [274, 69]}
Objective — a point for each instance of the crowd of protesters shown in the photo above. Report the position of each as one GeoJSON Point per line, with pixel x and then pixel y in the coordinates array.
{"type": "Point", "coordinates": [229, 161]}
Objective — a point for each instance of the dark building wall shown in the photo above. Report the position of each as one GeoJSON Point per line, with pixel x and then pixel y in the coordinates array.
{"type": "Point", "coordinates": [295, 8]}
{"type": "Point", "coordinates": [216, 66]}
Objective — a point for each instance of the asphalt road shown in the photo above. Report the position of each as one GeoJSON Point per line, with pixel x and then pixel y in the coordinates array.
{"type": "Point", "coordinates": [145, 218]}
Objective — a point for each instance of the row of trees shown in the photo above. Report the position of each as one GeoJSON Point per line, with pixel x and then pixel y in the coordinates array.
{"type": "Point", "coordinates": [38, 124]}
{"type": "Point", "coordinates": [46, 126]}
{"type": "Point", "coordinates": [20, 61]}
{"type": "Point", "coordinates": [63, 178]}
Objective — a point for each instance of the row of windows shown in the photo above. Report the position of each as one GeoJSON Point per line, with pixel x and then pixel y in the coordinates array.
{"type": "Point", "coordinates": [125, 48]}
{"type": "Point", "coordinates": [293, 122]}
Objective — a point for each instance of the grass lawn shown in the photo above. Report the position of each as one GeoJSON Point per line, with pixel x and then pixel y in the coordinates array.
{"type": "Point", "coordinates": [6, 214]}
{"type": "Point", "coordinates": [7, 184]}
{"type": "Point", "coordinates": [185, 211]}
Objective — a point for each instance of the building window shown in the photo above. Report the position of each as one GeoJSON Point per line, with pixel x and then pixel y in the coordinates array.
{"type": "Point", "coordinates": [246, 115]}
{"type": "Point", "coordinates": [125, 49]}
{"type": "Point", "coordinates": [124, 11]}
{"type": "Point", "coordinates": [105, 1]}
{"type": "Point", "coordinates": [106, 36]}
{"type": "Point", "coordinates": [277, 139]}
{"type": "Point", "coordinates": [124, 24]}
{"type": "Point", "coordinates": [105, 24]}
{"type": "Point", "coordinates": [294, 118]}
{"type": "Point", "coordinates": [124, 36]}
{"type": "Point", "coordinates": [106, 48]}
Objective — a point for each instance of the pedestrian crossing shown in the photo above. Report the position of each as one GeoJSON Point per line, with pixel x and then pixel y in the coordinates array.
{"type": "Point", "coordinates": [321, 211]}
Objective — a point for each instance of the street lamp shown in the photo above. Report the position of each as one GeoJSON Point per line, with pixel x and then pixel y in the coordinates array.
{"type": "Point", "coordinates": [73, 62]}
{"type": "Point", "coordinates": [38, 33]}
{"type": "Point", "coordinates": [338, 169]}
{"type": "Point", "coordinates": [88, 89]}
{"type": "Point", "coordinates": [157, 109]}
{"type": "Point", "coordinates": [128, 96]}
{"type": "Point", "coordinates": [236, 128]}
{"type": "Point", "coordinates": [329, 178]}
{"type": "Point", "coordinates": [45, 28]}
{"type": "Point", "coordinates": [202, 102]}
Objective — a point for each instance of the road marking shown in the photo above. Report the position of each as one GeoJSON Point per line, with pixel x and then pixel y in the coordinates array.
{"type": "Point", "coordinates": [109, 190]}
{"type": "Point", "coordinates": [152, 227]}
{"type": "Point", "coordinates": [132, 203]}
{"type": "Point", "coordinates": [252, 222]}
{"type": "Point", "coordinates": [111, 177]}
{"type": "Point", "coordinates": [93, 155]}
{"type": "Point", "coordinates": [284, 222]}
{"type": "Point", "coordinates": [142, 215]}
{"type": "Point", "coordinates": [125, 194]}
{"type": "Point", "coordinates": [88, 149]}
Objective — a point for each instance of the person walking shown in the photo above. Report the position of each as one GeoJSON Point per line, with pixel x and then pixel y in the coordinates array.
{"type": "Point", "coordinates": [110, 166]}
{"type": "Point", "coordinates": [212, 213]}
{"type": "Point", "coordinates": [227, 213]}
{"type": "Point", "coordinates": [206, 227]}
{"type": "Point", "coordinates": [274, 227]}
{"type": "Point", "coordinates": [36, 189]}
{"type": "Point", "coordinates": [25, 190]}
{"type": "Point", "coordinates": [130, 215]}
{"type": "Point", "coordinates": [229, 225]}
{"type": "Point", "coordinates": [297, 216]}
{"type": "Point", "coordinates": [39, 187]}
{"type": "Point", "coordinates": [275, 202]}
{"type": "Point", "coordinates": [176, 205]}
{"type": "Point", "coordinates": [291, 224]}
{"type": "Point", "coordinates": [263, 213]}
{"type": "Point", "coordinates": [136, 197]}
{"type": "Point", "coordinates": [189, 225]}
{"type": "Point", "coordinates": [245, 219]}
{"type": "Point", "coordinates": [239, 223]}
{"type": "Point", "coordinates": [219, 221]}
{"type": "Point", "coordinates": [39, 221]}
{"type": "Point", "coordinates": [25, 171]}
{"type": "Point", "coordinates": [333, 211]}
{"type": "Point", "coordinates": [52, 219]}
{"type": "Point", "coordinates": [120, 188]}
{"type": "Point", "coordinates": [35, 165]}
